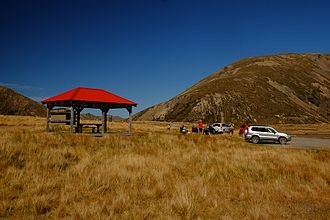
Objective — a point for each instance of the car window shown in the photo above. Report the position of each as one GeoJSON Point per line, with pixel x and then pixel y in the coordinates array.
{"type": "Point", "coordinates": [255, 129]}
{"type": "Point", "coordinates": [263, 130]}
{"type": "Point", "coordinates": [271, 130]}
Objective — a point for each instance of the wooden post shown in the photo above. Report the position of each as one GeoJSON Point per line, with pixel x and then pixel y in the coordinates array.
{"type": "Point", "coordinates": [78, 122]}
{"type": "Point", "coordinates": [129, 109]}
{"type": "Point", "coordinates": [78, 110]}
{"type": "Point", "coordinates": [71, 120]}
{"type": "Point", "coordinates": [104, 120]}
{"type": "Point", "coordinates": [47, 119]}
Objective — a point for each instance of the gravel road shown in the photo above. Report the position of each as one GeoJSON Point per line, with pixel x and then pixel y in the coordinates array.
{"type": "Point", "coordinates": [310, 142]}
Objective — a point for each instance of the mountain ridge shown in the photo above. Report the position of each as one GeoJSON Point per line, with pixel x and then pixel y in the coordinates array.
{"type": "Point", "coordinates": [283, 88]}
{"type": "Point", "coordinates": [14, 103]}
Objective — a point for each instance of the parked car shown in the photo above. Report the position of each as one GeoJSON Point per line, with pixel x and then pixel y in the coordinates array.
{"type": "Point", "coordinates": [220, 128]}
{"type": "Point", "coordinates": [257, 134]}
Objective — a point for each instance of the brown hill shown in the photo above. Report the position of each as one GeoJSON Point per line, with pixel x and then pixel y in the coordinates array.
{"type": "Point", "coordinates": [89, 116]}
{"type": "Point", "coordinates": [13, 103]}
{"type": "Point", "coordinates": [288, 88]}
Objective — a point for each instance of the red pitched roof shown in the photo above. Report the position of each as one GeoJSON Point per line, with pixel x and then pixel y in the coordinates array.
{"type": "Point", "coordinates": [89, 95]}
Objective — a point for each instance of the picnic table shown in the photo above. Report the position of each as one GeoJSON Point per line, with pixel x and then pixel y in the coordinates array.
{"type": "Point", "coordinates": [93, 126]}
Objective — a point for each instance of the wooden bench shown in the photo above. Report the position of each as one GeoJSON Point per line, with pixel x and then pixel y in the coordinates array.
{"type": "Point", "coordinates": [60, 116]}
{"type": "Point", "coordinates": [88, 125]}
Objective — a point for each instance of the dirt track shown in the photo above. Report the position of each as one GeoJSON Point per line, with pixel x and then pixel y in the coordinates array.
{"type": "Point", "coordinates": [310, 142]}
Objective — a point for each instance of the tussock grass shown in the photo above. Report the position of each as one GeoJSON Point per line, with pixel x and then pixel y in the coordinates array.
{"type": "Point", "coordinates": [155, 173]}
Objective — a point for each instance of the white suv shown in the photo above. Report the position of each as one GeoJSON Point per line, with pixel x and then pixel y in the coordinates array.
{"type": "Point", "coordinates": [220, 128]}
{"type": "Point", "coordinates": [258, 134]}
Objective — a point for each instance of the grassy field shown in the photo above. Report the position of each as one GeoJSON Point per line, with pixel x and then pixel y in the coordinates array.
{"type": "Point", "coordinates": [155, 174]}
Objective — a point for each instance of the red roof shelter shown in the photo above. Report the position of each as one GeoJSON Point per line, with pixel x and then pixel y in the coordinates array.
{"type": "Point", "coordinates": [79, 98]}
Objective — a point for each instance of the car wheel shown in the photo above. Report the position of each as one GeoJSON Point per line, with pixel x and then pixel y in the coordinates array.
{"type": "Point", "coordinates": [282, 140]}
{"type": "Point", "coordinates": [255, 139]}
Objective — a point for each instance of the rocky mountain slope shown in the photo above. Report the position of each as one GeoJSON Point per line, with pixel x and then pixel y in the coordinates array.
{"type": "Point", "coordinates": [13, 103]}
{"type": "Point", "coordinates": [288, 88]}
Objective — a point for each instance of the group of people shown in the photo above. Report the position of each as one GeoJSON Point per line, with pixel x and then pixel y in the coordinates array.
{"type": "Point", "coordinates": [199, 129]}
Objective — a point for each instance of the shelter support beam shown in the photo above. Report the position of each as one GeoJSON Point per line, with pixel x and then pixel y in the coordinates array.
{"type": "Point", "coordinates": [129, 109]}
{"type": "Point", "coordinates": [104, 120]}
{"type": "Point", "coordinates": [78, 122]}
{"type": "Point", "coordinates": [71, 120]}
{"type": "Point", "coordinates": [49, 108]}
{"type": "Point", "coordinates": [47, 119]}
{"type": "Point", "coordinates": [78, 110]}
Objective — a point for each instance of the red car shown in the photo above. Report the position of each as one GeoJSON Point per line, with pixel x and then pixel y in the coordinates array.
{"type": "Point", "coordinates": [243, 128]}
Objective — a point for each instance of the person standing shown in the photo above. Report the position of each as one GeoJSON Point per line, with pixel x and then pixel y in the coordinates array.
{"type": "Point", "coordinates": [200, 126]}
{"type": "Point", "coordinates": [231, 129]}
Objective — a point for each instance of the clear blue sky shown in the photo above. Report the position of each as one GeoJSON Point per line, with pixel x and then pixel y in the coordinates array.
{"type": "Point", "coordinates": [146, 50]}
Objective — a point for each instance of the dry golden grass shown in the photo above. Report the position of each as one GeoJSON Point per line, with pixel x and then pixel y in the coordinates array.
{"type": "Point", "coordinates": [155, 173]}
